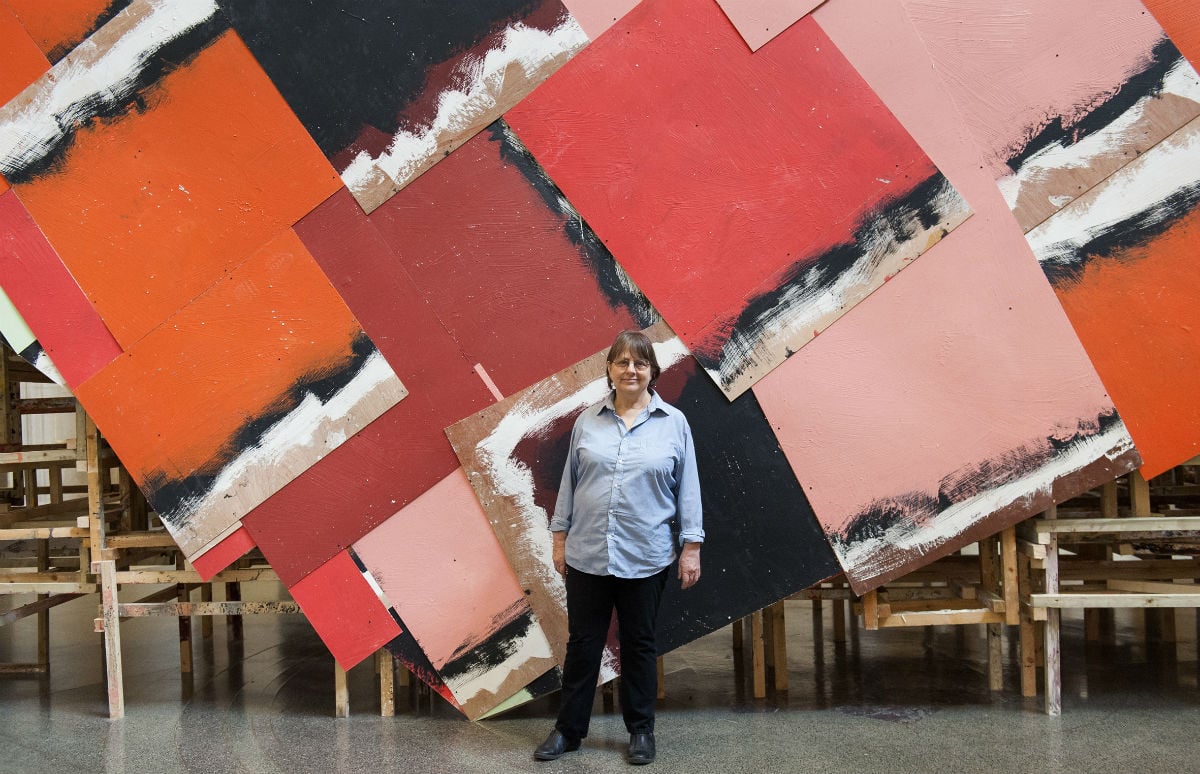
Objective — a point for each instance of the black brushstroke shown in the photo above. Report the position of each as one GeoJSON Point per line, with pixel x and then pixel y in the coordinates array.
{"type": "Point", "coordinates": [493, 651]}
{"type": "Point", "coordinates": [618, 289]}
{"type": "Point", "coordinates": [1148, 82]}
{"type": "Point", "coordinates": [1116, 239]}
{"type": "Point", "coordinates": [170, 497]}
{"type": "Point", "coordinates": [32, 352]}
{"type": "Point", "coordinates": [405, 648]}
{"type": "Point", "coordinates": [104, 17]}
{"type": "Point", "coordinates": [814, 275]}
{"type": "Point", "coordinates": [141, 97]}
{"type": "Point", "coordinates": [917, 508]}
{"type": "Point", "coordinates": [355, 65]}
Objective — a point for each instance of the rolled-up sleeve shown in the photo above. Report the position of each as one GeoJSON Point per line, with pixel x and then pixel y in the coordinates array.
{"type": "Point", "coordinates": [687, 495]}
{"type": "Point", "coordinates": [561, 522]}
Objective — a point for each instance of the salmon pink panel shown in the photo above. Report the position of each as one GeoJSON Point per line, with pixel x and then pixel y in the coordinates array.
{"type": "Point", "coordinates": [759, 21]}
{"type": "Point", "coordinates": [240, 391]}
{"type": "Point", "coordinates": [957, 400]}
{"type": "Point", "coordinates": [520, 283]}
{"type": "Point", "coordinates": [223, 554]}
{"type": "Point", "coordinates": [1094, 148]}
{"type": "Point", "coordinates": [397, 85]}
{"type": "Point", "coordinates": [346, 610]}
{"type": "Point", "coordinates": [43, 291]}
{"type": "Point", "coordinates": [59, 26]}
{"type": "Point", "coordinates": [404, 452]}
{"type": "Point", "coordinates": [596, 16]}
{"type": "Point", "coordinates": [23, 60]}
{"type": "Point", "coordinates": [157, 204]}
{"type": "Point", "coordinates": [438, 561]}
{"type": "Point", "coordinates": [753, 197]}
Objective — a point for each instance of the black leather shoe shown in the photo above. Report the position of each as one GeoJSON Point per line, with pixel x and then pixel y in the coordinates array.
{"type": "Point", "coordinates": [641, 749]}
{"type": "Point", "coordinates": [555, 746]}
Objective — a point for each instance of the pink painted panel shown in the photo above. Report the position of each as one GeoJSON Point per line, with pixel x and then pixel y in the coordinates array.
{"type": "Point", "coordinates": [759, 21]}
{"type": "Point", "coordinates": [596, 16]}
{"type": "Point", "coordinates": [1018, 64]}
{"type": "Point", "coordinates": [957, 377]}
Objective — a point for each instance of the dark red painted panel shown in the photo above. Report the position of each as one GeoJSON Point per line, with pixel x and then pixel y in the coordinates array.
{"type": "Point", "coordinates": [47, 296]}
{"type": "Point", "coordinates": [512, 278]}
{"type": "Point", "coordinates": [403, 453]}
{"type": "Point", "coordinates": [346, 612]}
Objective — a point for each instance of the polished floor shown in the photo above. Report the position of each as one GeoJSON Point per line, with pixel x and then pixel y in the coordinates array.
{"type": "Point", "coordinates": [889, 701]}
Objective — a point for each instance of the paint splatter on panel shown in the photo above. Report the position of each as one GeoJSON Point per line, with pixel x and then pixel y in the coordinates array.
{"type": "Point", "coordinates": [156, 158]}
{"type": "Point", "coordinates": [748, 253]}
{"type": "Point", "coordinates": [514, 452]}
{"type": "Point", "coordinates": [400, 84]}
{"type": "Point", "coordinates": [239, 392]}
{"type": "Point", "coordinates": [957, 400]}
{"type": "Point", "coordinates": [1093, 160]}
{"type": "Point", "coordinates": [473, 623]}
{"type": "Point", "coordinates": [760, 21]}
{"type": "Point", "coordinates": [66, 325]}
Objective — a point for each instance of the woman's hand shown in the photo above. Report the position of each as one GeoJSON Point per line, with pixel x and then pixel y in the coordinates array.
{"type": "Point", "coordinates": [560, 552]}
{"type": "Point", "coordinates": [689, 565]}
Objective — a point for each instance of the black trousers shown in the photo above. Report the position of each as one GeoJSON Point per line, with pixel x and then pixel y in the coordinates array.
{"type": "Point", "coordinates": [590, 603]}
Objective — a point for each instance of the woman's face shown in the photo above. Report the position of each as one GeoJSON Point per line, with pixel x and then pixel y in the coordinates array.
{"type": "Point", "coordinates": [630, 376]}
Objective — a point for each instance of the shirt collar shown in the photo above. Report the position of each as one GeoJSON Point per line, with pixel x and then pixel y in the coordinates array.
{"type": "Point", "coordinates": [656, 403]}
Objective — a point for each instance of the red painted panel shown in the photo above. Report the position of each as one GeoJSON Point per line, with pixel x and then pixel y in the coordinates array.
{"type": "Point", "coordinates": [46, 295]}
{"type": "Point", "coordinates": [404, 452]}
{"type": "Point", "coordinates": [345, 610]}
{"type": "Point", "coordinates": [223, 554]}
{"type": "Point", "coordinates": [497, 265]}
{"type": "Point", "coordinates": [158, 204]}
{"type": "Point", "coordinates": [707, 170]}
{"type": "Point", "coordinates": [23, 60]}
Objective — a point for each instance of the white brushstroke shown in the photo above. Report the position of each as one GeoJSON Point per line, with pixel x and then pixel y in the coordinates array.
{"type": "Point", "coordinates": [44, 364]}
{"type": "Point", "coordinates": [867, 559]}
{"type": "Point", "coordinates": [527, 48]}
{"type": "Point", "coordinates": [306, 434]}
{"type": "Point", "coordinates": [19, 336]}
{"type": "Point", "coordinates": [486, 679]}
{"type": "Point", "coordinates": [809, 305]}
{"type": "Point", "coordinates": [511, 478]}
{"type": "Point", "coordinates": [1140, 188]}
{"type": "Point", "coordinates": [104, 73]}
{"type": "Point", "coordinates": [1180, 81]}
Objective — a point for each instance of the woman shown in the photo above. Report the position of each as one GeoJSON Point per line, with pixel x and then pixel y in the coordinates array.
{"type": "Point", "coordinates": [630, 476]}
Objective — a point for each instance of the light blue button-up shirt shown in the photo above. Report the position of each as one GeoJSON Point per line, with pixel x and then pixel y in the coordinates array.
{"type": "Point", "coordinates": [622, 487]}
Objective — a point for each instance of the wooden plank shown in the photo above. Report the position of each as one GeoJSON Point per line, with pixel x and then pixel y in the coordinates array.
{"type": "Point", "coordinates": [1147, 524]}
{"type": "Point", "coordinates": [47, 588]}
{"type": "Point", "coordinates": [1051, 633]}
{"type": "Point", "coordinates": [154, 610]}
{"type": "Point", "coordinates": [16, 614]}
{"type": "Point", "coordinates": [779, 645]}
{"type": "Point", "coordinates": [143, 540]}
{"type": "Point", "coordinates": [341, 692]}
{"type": "Point", "coordinates": [1149, 587]}
{"type": "Point", "coordinates": [1028, 656]}
{"type": "Point", "coordinates": [191, 576]}
{"type": "Point", "coordinates": [45, 405]}
{"type": "Point", "coordinates": [43, 533]}
{"type": "Point", "coordinates": [940, 618]}
{"type": "Point", "coordinates": [386, 666]}
{"type": "Point", "coordinates": [37, 457]}
{"type": "Point", "coordinates": [758, 658]}
{"type": "Point", "coordinates": [1009, 581]}
{"type": "Point", "coordinates": [1139, 494]}
{"type": "Point", "coordinates": [1078, 600]}
{"type": "Point", "coordinates": [112, 637]}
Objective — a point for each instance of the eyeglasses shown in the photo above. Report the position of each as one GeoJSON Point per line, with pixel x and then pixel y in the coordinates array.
{"type": "Point", "coordinates": [638, 365]}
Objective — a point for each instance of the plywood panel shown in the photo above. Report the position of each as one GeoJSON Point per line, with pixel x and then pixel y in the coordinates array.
{"type": "Point", "coordinates": [760, 21]}
{"type": "Point", "coordinates": [157, 203]}
{"type": "Point", "coordinates": [440, 564]}
{"type": "Point", "coordinates": [43, 291]}
{"type": "Point", "coordinates": [957, 399]}
{"type": "Point", "coordinates": [1076, 117]}
{"type": "Point", "coordinates": [596, 16]}
{"type": "Point", "coordinates": [346, 610]}
{"type": "Point", "coordinates": [761, 544]}
{"type": "Point", "coordinates": [400, 84]}
{"type": "Point", "coordinates": [657, 133]}
{"type": "Point", "coordinates": [404, 452]}
{"type": "Point", "coordinates": [516, 277]}
{"type": "Point", "coordinates": [60, 26]}
{"type": "Point", "coordinates": [240, 391]}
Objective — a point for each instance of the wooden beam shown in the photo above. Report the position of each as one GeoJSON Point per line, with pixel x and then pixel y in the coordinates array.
{"type": "Point", "coordinates": [1086, 599]}
{"type": "Point", "coordinates": [17, 613]}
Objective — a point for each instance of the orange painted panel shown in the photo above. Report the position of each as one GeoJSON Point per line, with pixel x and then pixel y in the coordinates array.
{"type": "Point", "coordinates": [1182, 23]}
{"type": "Point", "coordinates": [23, 61]}
{"type": "Point", "coordinates": [174, 401]}
{"type": "Point", "coordinates": [150, 209]}
{"type": "Point", "coordinates": [1137, 316]}
{"type": "Point", "coordinates": [59, 26]}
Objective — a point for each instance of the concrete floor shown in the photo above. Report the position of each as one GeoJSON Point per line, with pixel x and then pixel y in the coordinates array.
{"type": "Point", "coordinates": [889, 701]}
